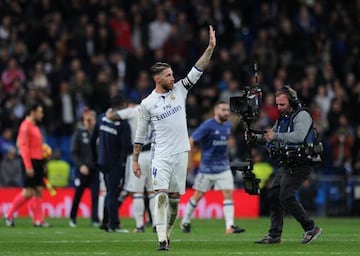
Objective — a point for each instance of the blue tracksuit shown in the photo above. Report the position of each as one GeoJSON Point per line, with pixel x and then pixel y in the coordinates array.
{"type": "Point", "coordinates": [112, 139]}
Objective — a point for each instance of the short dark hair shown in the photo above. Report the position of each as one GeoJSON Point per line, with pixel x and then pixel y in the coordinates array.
{"type": "Point", "coordinates": [158, 67]}
{"type": "Point", "coordinates": [117, 101]}
{"type": "Point", "coordinates": [32, 107]}
{"type": "Point", "coordinates": [219, 102]}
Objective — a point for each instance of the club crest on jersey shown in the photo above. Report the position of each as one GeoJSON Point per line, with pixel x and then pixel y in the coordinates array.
{"type": "Point", "coordinates": [172, 96]}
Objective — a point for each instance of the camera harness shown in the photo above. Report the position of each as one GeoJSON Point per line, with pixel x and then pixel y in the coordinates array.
{"type": "Point", "coordinates": [309, 151]}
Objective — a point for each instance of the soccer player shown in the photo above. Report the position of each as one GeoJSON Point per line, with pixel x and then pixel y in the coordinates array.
{"type": "Point", "coordinates": [114, 145]}
{"type": "Point", "coordinates": [87, 174]}
{"type": "Point", "coordinates": [213, 135]}
{"type": "Point", "coordinates": [135, 186]}
{"type": "Point", "coordinates": [164, 110]}
{"type": "Point", "coordinates": [29, 143]}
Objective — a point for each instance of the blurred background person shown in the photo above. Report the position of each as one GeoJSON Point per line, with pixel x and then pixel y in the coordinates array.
{"type": "Point", "coordinates": [134, 185]}
{"type": "Point", "coordinates": [111, 144]}
{"type": "Point", "coordinates": [212, 136]}
{"type": "Point", "coordinates": [87, 174]}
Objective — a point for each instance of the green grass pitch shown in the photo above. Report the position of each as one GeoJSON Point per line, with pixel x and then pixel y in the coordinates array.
{"type": "Point", "coordinates": [341, 236]}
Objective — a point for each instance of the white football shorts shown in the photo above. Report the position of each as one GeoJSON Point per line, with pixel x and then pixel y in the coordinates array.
{"type": "Point", "coordinates": [135, 184]}
{"type": "Point", "coordinates": [221, 181]}
{"type": "Point", "coordinates": [169, 173]}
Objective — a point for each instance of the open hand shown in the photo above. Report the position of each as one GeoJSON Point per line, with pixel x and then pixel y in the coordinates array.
{"type": "Point", "coordinates": [212, 37]}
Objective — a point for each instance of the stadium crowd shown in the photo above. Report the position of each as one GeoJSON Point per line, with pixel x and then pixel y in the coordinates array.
{"type": "Point", "coordinates": [70, 54]}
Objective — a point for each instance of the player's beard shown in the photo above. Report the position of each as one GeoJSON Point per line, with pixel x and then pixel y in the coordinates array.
{"type": "Point", "coordinates": [37, 121]}
{"type": "Point", "coordinates": [223, 118]}
{"type": "Point", "coordinates": [167, 87]}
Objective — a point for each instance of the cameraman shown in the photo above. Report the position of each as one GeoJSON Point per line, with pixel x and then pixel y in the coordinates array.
{"type": "Point", "coordinates": [293, 128]}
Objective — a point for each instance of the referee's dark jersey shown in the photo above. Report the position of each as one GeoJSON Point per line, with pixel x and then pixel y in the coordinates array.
{"type": "Point", "coordinates": [114, 142]}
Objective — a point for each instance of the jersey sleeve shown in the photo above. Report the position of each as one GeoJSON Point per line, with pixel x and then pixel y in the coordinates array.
{"type": "Point", "coordinates": [24, 145]}
{"type": "Point", "coordinates": [191, 79]}
{"type": "Point", "coordinates": [302, 124]}
{"type": "Point", "coordinates": [200, 132]}
{"type": "Point", "coordinates": [142, 124]}
{"type": "Point", "coordinates": [126, 113]}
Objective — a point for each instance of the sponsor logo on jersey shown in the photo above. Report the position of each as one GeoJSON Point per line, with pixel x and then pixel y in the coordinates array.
{"type": "Point", "coordinates": [168, 113]}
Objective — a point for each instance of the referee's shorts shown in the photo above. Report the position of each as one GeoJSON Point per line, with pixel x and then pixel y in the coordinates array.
{"type": "Point", "coordinates": [38, 178]}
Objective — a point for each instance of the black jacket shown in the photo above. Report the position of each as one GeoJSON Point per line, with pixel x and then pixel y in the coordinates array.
{"type": "Point", "coordinates": [81, 151]}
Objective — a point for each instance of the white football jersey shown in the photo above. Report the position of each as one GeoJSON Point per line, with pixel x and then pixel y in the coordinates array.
{"type": "Point", "coordinates": [167, 116]}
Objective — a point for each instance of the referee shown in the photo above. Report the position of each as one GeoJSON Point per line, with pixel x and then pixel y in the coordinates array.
{"type": "Point", "coordinates": [29, 143]}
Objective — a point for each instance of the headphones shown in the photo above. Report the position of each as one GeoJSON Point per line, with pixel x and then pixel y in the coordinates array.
{"type": "Point", "coordinates": [291, 95]}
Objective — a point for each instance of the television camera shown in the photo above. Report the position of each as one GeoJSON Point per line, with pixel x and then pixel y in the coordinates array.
{"type": "Point", "coordinates": [247, 107]}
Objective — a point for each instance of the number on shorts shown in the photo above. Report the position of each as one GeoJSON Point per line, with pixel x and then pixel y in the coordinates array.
{"type": "Point", "coordinates": [154, 172]}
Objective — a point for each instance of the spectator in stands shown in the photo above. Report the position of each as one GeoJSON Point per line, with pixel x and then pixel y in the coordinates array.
{"type": "Point", "coordinates": [232, 90]}
{"type": "Point", "coordinates": [12, 74]}
{"type": "Point", "coordinates": [121, 28]}
{"type": "Point", "coordinates": [143, 87]}
{"type": "Point", "coordinates": [159, 30]}
{"type": "Point", "coordinates": [5, 29]}
{"type": "Point", "coordinates": [104, 41]}
{"type": "Point", "coordinates": [355, 152]}
{"type": "Point", "coordinates": [7, 141]}
{"type": "Point", "coordinates": [323, 99]}
{"type": "Point", "coordinates": [39, 77]}
{"type": "Point", "coordinates": [333, 117]}
{"type": "Point", "coordinates": [341, 143]}
{"type": "Point", "coordinates": [65, 108]}
{"type": "Point", "coordinates": [270, 108]}
{"type": "Point", "coordinates": [10, 169]}
{"type": "Point", "coordinates": [81, 90]}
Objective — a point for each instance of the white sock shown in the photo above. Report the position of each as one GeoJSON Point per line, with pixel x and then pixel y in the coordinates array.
{"type": "Point", "coordinates": [152, 206]}
{"type": "Point", "coordinates": [139, 208]}
{"type": "Point", "coordinates": [190, 208]}
{"type": "Point", "coordinates": [172, 214]}
{"type": "Point", "coordinates": [228, 209]}
{"type": "Point", "coordinates": [161, 215]}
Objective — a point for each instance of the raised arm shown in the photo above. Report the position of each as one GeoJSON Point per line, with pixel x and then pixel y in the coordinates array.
{"type": "Point", "coordinates": [204, 60]}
